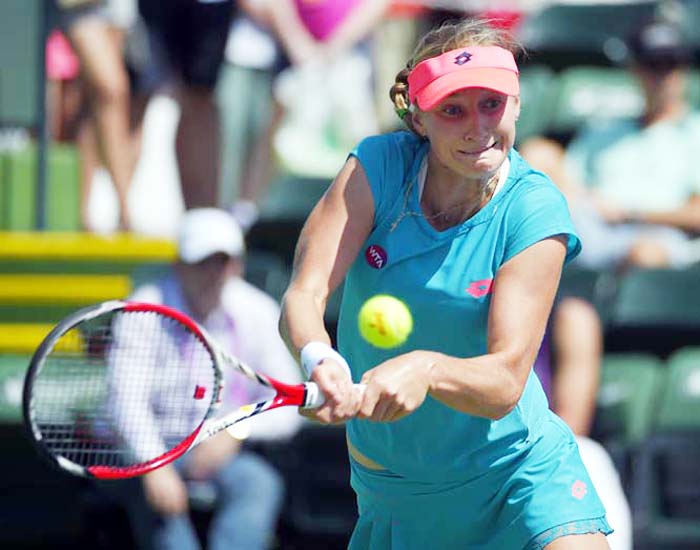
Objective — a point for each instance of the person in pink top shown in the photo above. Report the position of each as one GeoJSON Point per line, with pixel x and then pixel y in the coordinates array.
{"type": "Point", "coordinates": [322, 17]}
{"type": "Point", "coordinates": [309, 29]}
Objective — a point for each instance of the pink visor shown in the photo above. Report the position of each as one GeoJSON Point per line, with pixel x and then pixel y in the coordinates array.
{"type": "Point", "coordinates": [490, 67]}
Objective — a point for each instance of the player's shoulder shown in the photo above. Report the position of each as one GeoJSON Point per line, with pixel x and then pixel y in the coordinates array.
{"type": "Point", "coordinates": [399, 146]}
{"type": "Point", "coordinates": [525, 177]}
{"type": "Point", "coordinates": [528, 185]}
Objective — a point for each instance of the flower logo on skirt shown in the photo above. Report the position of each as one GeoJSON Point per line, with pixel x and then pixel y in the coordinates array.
{"type": "Point", "coordinates": [579, 489]}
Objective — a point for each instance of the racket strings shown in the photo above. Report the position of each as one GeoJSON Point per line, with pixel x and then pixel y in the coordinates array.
{"type": "Point", "coordinates": [122, 389]}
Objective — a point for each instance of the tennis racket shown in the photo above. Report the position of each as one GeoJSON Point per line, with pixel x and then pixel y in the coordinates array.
{"type": "Point", "coordinates": [119, 389]}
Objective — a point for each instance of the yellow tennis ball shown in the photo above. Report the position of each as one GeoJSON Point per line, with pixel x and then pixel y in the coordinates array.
{"type": "Point", "coordinates": [385, 321]}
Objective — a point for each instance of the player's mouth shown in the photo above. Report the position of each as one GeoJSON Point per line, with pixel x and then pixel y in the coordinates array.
{"type": "Point", "coordinates": [478, 151]}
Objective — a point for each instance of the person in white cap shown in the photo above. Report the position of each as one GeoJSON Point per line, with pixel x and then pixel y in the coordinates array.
{"type": "Point", "coordinates": [206, 283]}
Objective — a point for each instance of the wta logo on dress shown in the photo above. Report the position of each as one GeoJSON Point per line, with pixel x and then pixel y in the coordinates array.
{"type": "Point", "coordinates": [376, 256]}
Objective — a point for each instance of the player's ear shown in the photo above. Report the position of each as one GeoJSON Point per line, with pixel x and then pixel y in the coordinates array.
{"type": "Point", "coordinates": [418, 123]}
{"type": "Point", "coordinates": [516, 106]}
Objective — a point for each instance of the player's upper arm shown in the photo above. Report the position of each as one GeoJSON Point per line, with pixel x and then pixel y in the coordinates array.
{"type": "Point", "coordinates": [524, 291]}
{"type": "Point", "coordinates": [335, 230]}
{"type": "Point", "coordinates": [540, 237]}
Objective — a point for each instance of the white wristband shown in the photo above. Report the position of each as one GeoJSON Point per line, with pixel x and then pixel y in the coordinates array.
{"type": "Point", "coordinates": [314, 352]}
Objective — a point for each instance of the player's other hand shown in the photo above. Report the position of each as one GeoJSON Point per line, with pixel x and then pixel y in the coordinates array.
{"type": "Point", "coordinates": [165, 490]}
{"type": "Point", "coordinates": [342, 397]}
{"type": "Point", "coordinates": [396, 387]}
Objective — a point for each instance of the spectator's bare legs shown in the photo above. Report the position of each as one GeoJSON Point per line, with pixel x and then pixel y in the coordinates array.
{"type": "Point", "coordinates": [578, 347]}
{"type": "Point", "coordinates": [99, 48]}
{"type": "Point", "coordinates": [258, 172]}
{"type": "Point", "coordinates": [89, 162]}
{"type": "Point", "coordinates": [197, 146]}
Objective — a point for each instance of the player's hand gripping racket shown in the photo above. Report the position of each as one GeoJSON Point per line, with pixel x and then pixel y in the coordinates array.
{"type": "Point", "coordinates": [119, 389]}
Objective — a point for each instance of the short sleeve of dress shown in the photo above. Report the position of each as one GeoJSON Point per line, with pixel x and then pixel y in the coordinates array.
{"type": "Point", "coordinates": [539, 211]}
{"type": "Point", "coordinates": [388, 161]}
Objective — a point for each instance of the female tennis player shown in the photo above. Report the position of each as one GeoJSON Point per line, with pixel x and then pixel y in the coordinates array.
{"type": "Point", "coordinates": [452, 444]}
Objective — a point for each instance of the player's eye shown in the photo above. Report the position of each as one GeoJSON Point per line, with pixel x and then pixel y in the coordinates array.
{"type": "Point", "coordinates": [452, 110]}
{"type": "Point", "coordinates": [493, 103]}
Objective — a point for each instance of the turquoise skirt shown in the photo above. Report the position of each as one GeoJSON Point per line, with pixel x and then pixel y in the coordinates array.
{"type": "Point", "coordinates": [543, 495]}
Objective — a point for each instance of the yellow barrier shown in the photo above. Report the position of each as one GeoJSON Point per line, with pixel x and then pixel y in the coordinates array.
{"type": "Point", "coordinates": [122, 247]}
{"type": "Point", "coordinates": [61, 289]}
{"type": "Point", "coordinates": [22, 338]}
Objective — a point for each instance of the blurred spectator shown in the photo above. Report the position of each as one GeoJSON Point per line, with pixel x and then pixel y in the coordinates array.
{"type": "Point", "coordinates": [568, 365]}
{"type": "Point", "coordinates": [97, 32]}
{"type": "Point", "coordinates": [206, 284]}
{"type": "Point", "coordinates": [248, 112]}
{"type": "Point", "coordinates": [327, 94]}
{"type": "Point", "coordinates": [187, 40]}
{"type": "Point", "coordinates": [63, 90]}
{"type": "Point", "coordinates": [631, 184]}
{"type": "Point", "coordinates": [394, 41]}
{"type": "Point", "coordinates": [308, 52]}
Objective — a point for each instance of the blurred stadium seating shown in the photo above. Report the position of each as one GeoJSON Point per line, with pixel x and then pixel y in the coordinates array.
{"type": "Point", "coordinates": [626, 406]}
{"type": "Point", "coordinates": [538, 90]}
{"type": "Point", "coordinates": [655, 310]}
{"type": "Point", "coordinates": [565, 34]}
{"type": "Point", "coordinates": [666, 475]}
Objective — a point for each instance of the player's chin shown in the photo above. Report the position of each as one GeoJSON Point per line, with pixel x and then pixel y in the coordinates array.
{"type": "Point", "coordinates": [488, 159]}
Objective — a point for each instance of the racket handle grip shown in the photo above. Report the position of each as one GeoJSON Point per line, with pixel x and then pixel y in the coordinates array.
{"type": "Point", "coordinates": [315, 398]}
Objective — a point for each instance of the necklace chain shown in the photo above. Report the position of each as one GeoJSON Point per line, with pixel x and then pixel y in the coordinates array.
{"type": "Point", "coordinates": [443, 216]}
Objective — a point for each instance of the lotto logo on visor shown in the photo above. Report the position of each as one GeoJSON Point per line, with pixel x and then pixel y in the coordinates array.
{"type": "Point", "coordinates": [462, 58]}
{"type": "Point", "coordinates": [490, 67]}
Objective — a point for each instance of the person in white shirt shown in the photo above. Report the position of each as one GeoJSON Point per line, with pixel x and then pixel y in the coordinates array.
{"type": "Point", "coordinates": [206, 283]}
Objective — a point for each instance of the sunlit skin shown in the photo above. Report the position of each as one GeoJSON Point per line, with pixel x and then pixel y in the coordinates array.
{"type": "Point", "coordinates": [470, 134]}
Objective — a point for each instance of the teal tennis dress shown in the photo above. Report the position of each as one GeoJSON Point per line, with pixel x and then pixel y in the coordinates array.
{"type": "Point", "coordinates": [453, 480]}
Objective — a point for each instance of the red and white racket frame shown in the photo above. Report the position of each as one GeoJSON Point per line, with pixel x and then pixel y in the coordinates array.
{"type": "Point", "coordinates": [305, 395]}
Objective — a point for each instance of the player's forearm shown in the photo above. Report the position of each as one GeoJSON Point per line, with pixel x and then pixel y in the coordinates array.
{"type": "Point", "coordinates": [301, 320]}
{"type": "Point", "coordinates": [483, 386]}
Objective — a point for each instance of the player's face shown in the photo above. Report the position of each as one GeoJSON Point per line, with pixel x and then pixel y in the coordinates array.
{"type": "Point", "coordinates": [471, 131]}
